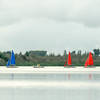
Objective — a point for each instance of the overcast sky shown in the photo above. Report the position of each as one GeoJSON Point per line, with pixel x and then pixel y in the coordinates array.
{"type": "Point", "coordinates": [53, 25]}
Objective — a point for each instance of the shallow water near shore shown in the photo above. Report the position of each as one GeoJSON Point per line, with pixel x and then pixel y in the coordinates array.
{"type": "Point", "coordinates": [50, 86]}
{"type": "Point", "coordinates": [23, 90]}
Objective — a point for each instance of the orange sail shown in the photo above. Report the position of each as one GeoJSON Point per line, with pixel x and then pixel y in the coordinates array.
{"type": "Point", "coordinates": [90, 59]}
{"type": "Point", "coordinates": [69, 59]}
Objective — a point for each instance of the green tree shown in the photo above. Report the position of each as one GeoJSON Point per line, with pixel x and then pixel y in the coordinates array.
{"type": "Point", "coordinates": [27, 53]}
{"type": "Point", "coordinates": [38, 53]}
{"type": "Point", "coordinates": [96, 52]}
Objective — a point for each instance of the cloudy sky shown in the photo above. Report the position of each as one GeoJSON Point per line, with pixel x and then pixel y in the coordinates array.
{"type": "Point", "coordinates": [53, 25]}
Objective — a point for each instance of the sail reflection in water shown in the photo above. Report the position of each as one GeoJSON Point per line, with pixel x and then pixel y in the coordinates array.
{"type": "Point", "coordinates": [50, 86]}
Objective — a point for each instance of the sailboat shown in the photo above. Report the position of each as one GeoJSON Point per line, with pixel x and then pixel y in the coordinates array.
{"type": "Point", "coordinates": [89, 61]}
{"type": "Point", "coordinates": [69, 59]}
{"type": "Point", "coordinates": [12, 59]}
{"type": "Point", "coordinates": [68, 62]}
{"type": "Point", "coordinates": [11, 63]}
{"type": "Point", "coordinates": [8, 63]}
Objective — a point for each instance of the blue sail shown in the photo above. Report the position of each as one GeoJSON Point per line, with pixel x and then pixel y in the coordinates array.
{"type": "Point", "coordinates": [8, 63]}
{"type": "Point", "coordinates": [12, 58]}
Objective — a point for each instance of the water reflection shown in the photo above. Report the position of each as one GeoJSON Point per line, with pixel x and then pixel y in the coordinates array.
{"type": "Point", "coordinates": [50, 87]}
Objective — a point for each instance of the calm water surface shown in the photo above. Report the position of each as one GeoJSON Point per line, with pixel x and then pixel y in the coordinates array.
{"type": "Point", "coordinates": [50, 86]}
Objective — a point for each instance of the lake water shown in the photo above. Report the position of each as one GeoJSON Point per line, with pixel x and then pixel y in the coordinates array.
{"type": "Point", "coordinates": [50, 86]}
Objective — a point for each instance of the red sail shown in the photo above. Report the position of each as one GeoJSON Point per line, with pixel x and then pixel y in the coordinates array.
{"type": "Point", "coordinates": [69, 59]}
{"type": "Point", "coordinates": [87, 62]}
{"type": "Point", "coordinates": [90, 59]}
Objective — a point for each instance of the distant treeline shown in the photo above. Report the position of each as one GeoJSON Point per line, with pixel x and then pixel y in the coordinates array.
{"type": "Point", "coordinates": [31, 58]}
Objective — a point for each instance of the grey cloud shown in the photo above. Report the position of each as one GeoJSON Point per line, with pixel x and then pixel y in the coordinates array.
{"type": "Point", "coordinates": [49, 24]}
{"type": "Point", "coordinates": [85, 12]}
